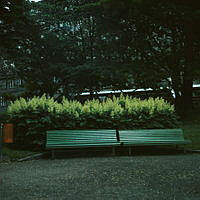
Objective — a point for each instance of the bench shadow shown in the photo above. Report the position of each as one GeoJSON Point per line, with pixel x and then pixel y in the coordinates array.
{"type": "Point", "coordinates": [120, 151]}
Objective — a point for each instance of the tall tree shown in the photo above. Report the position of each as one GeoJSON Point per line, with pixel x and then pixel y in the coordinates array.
{"type": "Point", "coordinates": [181, 18]}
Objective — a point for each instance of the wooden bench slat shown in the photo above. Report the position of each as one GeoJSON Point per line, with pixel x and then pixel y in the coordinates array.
{"type": "Point", "coordinates": [91, 136]}
{"type": "Point", "coordinates": [81, 131]}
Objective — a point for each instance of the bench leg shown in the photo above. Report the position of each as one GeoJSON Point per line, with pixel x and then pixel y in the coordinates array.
{"type": "Point", "coordinates": [113, 151]}
{"type": "Point", "coordinates": [129, 151]}
{"type": "Point", "coordinates": [184, 150]}
{"type": "Point", "coordinates": [52, 155]}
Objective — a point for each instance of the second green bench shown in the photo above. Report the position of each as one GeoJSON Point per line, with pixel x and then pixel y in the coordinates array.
{"type": "Point", "coordinates": [152, 137]}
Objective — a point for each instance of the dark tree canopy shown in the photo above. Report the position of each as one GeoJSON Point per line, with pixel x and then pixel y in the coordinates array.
{"type": "Point", "coordinates": [66, 47]}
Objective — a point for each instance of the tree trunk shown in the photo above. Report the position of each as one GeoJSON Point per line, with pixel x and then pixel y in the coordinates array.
{"type": "Point", "coordinates": [187, 92]}
{"type": "Point", "coordinates": [188, 74]}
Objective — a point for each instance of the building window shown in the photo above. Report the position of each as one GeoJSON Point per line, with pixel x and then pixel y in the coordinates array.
{"type": "Point", "coordinates": [10, 84]}
{"type": "Point", "coordinates": [3, 102]}
{"type": "Point", "coordinates": [3, 84]}
{"type": "Point", "coordinates": [17, 83]}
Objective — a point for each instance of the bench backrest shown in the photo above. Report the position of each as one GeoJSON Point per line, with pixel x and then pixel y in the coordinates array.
{"type": "Point", "coordinates": [152, 135]}
{"type": "Point", "coordinates": [78, 138]}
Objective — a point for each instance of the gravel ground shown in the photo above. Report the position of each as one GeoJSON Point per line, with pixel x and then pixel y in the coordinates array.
{"type": "Point", "coordinates": [141, 177]}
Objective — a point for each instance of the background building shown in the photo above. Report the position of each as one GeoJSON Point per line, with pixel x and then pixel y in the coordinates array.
{"type": "Point", "coordinates": [9, 89]}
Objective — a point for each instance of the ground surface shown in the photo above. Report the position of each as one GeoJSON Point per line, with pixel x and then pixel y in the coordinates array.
{"type": "Point", "coordinates": [142, 177]}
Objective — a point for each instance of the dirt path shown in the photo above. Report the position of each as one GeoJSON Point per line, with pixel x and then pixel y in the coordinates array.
{"type": "Point", "coordinates": [170, 177]}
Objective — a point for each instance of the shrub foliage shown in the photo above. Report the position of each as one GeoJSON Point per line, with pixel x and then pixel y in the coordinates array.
{"type": "Point", "coordinates": [32, 118]}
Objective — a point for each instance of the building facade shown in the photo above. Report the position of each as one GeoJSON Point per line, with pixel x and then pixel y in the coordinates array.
{"type": "Point", "coordinates": [9, 88]}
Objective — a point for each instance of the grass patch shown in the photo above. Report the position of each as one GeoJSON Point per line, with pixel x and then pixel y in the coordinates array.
{"type": "Point", "coordinates": [12, 155]}
{"type": "Point", "coordinates": [192, 132]}
{"type": "Point", "coordinates": [191, 128]}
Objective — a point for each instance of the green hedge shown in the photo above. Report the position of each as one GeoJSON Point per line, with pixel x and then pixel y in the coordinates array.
{"type": "Point", "coordinates": [32, 118]}
{"type": "Point", "coordinates": [4, 117]}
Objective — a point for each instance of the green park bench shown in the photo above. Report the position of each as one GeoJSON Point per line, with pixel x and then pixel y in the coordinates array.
{"type": "Point", "coordinates": [152, 137]}
{"type": "Point", "coordinates": [62, 139]}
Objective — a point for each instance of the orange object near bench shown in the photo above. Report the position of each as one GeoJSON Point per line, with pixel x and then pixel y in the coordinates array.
{"type": "Point", "coordinates": [8, 136]}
